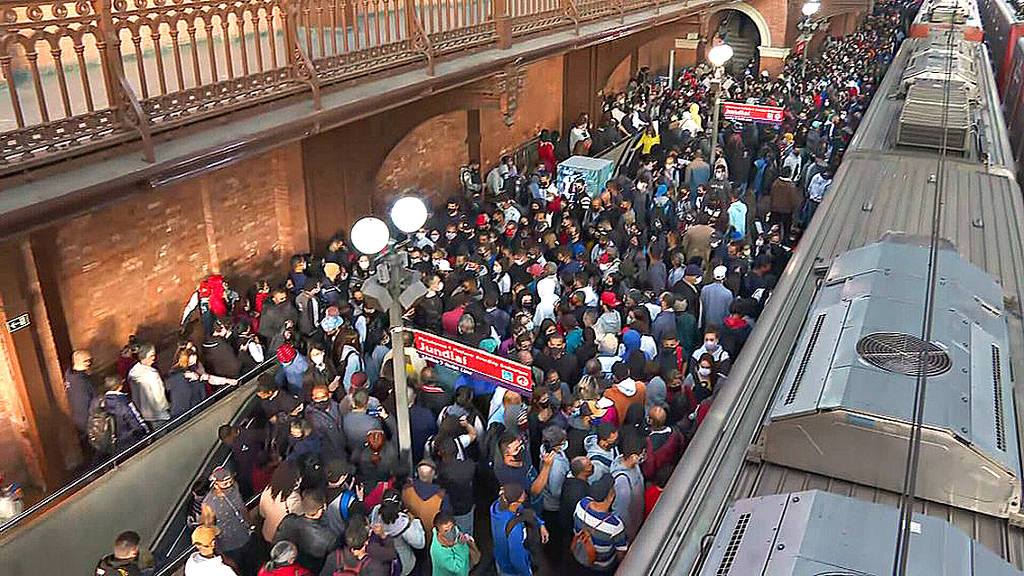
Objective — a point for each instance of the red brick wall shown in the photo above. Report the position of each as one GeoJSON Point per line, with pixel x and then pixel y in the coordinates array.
{"type": "Point", "coordinates": [131, 267]}
{"type": "Point", "coordinates": [619, 77]}
{"type": "Point", "coordinates": [427, 159]}
{"type": "Point", "coordinates": [539, 106]}
{"type": "Point", "coordinates": [655, 55]}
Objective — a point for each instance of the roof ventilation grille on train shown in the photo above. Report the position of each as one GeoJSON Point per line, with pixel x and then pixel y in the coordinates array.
{"type": "Point", "coordinates": [795, 386]}
{"type": "Point", "coordinates": [734, 545]}
{"type": "Point", "coordinates": [903, 354]}
{"type": "Point", "coordinates": [997, 386]}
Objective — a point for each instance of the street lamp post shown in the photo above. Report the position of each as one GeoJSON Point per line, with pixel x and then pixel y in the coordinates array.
{"type": "Point", "coordinates": [807, 28]}
{"type": "Point", "coordinates": [718, 56]}
{"type": "Point", "coordinates": [370, 236]}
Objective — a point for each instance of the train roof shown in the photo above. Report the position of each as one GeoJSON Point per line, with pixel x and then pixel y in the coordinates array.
{"type": "Point", "coordinates": [879, 188]}
{"type": "Point", "coordinates": [989, 143]}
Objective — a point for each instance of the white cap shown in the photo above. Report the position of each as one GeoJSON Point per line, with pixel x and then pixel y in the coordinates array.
{"type": "Point", "coordinates": [605, 402]}
{"type": "Point", "coordinates": [719, 272]}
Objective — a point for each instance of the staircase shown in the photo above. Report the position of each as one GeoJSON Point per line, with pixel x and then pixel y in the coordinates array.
{"type": "Point", "coordinates": [741, 34]}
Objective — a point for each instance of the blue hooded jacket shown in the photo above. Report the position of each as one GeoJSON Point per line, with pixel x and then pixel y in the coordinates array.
{"type": "Point", "coordinates": [510, 553]}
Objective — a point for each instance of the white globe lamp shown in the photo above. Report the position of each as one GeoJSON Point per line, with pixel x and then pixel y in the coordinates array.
{"type": "Point", "coordinates": [811, 8]}
{"type": "Point", "coordinates": [409, 214]}
{"type": "Point", "coordinates": [370, 235]}
{"type": "Point", "coordinates": [719, 55]}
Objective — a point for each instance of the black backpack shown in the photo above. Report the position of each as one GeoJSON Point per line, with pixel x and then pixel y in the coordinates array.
{"type": "Point", "coordinates": [101, 429]}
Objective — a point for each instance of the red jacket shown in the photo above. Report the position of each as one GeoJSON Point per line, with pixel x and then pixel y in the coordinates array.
{"type": "Point", "coordinates": [285, 571]}
{"type": "Point", "coordinates": [651, 495]}
{"type": "Point", "coordinates": [667, 455]}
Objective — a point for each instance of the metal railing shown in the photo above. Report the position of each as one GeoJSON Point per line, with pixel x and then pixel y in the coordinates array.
{"type": "Point", "coordinates": [114, 461]}
{"type": "Point", "coordinates": [80, 75]}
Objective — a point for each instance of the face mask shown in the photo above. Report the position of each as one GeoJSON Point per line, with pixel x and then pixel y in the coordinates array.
{"type": "Point", "coordinates": [450, 235]}
{"type": "Point", "coordinates": [704, 371]}
{"type": "Point", "coordinates": [529, 325]}
{"type": "Point", "coordinates": [435, 237]}
{"type": "Point", "coordinates": [711, 346]}
{"type": "Point", "coordinates": [317, 359]}
{"type": "Point", "coordinates": [364, 265]}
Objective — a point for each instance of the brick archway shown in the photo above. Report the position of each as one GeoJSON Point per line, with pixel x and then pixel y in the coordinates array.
{"type": "Point", "coordinates": [763, 29]}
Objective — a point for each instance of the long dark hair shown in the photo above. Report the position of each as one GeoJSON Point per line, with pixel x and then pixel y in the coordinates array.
{"type": "Point", "coordinates": [285, 480]}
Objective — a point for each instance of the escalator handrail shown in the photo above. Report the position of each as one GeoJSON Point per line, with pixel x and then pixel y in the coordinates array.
{"type": "Point", "coordinates": [119, 458]}
{"type": "Point", "coordinates": [178, 561]}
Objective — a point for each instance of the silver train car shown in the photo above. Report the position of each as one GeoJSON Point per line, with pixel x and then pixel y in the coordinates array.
{"type": "Point", "coordinates": [834, 418]}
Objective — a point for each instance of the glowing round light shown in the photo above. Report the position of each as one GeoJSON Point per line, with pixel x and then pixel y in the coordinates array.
{"type": "Point", "coordinates": [370, 235]}
{"type": "Point", "coordinates": [719, 55]}
{"type": "Point", "coordinates": [409, 214]}
{"type": "Point", "coordinates": [811, 8]}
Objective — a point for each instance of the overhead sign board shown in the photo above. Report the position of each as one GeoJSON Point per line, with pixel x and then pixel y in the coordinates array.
{"type": "Point", "coordinates": [471, 360]}
{"type": "Point", "coordinates": [752, 112]}
{"type": "Point", "coordinates": [17, 323]}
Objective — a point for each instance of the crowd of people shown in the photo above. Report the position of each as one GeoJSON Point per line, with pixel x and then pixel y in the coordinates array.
{"type": "Point", "coordinates": [628, 304]}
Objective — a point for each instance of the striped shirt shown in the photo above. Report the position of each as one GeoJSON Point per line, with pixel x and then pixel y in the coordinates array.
{"type": "Point", "coordinates": [607, 532]}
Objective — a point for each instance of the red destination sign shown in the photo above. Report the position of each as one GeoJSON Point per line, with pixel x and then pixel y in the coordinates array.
{"type": "Point", "coordinates": [752, 112]}
{"type": "Point", "coordinates": [473, 361]}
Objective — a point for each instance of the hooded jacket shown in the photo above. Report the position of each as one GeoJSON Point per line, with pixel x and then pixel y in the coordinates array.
{"type": "Point", "coordinates": [552, 492]}
{"type": "Point", "coordinates": [624, 394]}
{"type": "Point", "coordinates": [406, 533]}
{"type": "Point", "coordinates": [629, 496]}
{"type": "Point", "coordinates": [510, 552]}
{"type": "Point", "coordinates": [601, 458]}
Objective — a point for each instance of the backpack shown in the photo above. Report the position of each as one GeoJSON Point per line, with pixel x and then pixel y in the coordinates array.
{"type": "Point", "coordinates": [100, 428]}
{"type": "Point", "coordinates": [343, 570]}
{"type": "Point", "coordinates": [582, 546]}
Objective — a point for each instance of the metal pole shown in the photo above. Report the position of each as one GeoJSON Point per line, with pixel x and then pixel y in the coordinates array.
{"type": "Point", "coordinates": [714, 123]}
{"type": "Point", "coordinates": [671, 67]}
{"type": "Point", "coordinates": [398, 362]}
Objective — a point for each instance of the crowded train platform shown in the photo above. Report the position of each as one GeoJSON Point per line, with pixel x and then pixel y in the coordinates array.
{"type": "Point", "coordinates": [628, 306]}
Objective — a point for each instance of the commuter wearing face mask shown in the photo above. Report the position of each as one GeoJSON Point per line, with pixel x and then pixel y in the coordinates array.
{"type": "Point", "coordinates": [702, 383]}
{"type": "Point", "coordinates": [513, 467]}
{"type": "Point", "coordinates": [712, 346]}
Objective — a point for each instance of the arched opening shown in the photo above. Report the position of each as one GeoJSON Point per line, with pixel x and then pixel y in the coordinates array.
{"type": "Point", "coordinates": [416, 160]}
{"type": "Point", "coordinates": [620, 76]}
{"type": "Point", "coordinates": [743, 33]}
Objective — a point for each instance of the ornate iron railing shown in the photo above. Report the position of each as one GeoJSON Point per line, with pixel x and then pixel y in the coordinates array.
{"type": "Point", "coordinates": [79, 75]}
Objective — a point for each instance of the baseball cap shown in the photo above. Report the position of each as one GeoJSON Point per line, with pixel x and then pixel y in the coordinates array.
{"type": "Point", "coordinates": [600, 489]}
{"type": "Point", "coordinates": [220, 474]}
{"type": "Point", "coordinates": [553, 436]}
{"type": "Point", "coordinates": [481, 220]}
{"type": "Point", "coordinates": [205, 535]}
{"type": "Point", "coordinates": [535, 269]}
{"type": "Point", "coordinates": [720, 272]}
{"type": "Point", "coordinates": [285, 353]}
{"type": "Point", "coordinates": [610, 299]}
{"type": "Point", "coordinates": [513, 492]}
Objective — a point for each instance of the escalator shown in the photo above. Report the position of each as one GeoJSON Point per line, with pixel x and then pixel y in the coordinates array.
{"type": "Point", "coordinates": [145, 489]}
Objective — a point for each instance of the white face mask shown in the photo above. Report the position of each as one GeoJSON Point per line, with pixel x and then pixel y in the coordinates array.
{"type": "Point", "coordinates": [711, 346]}
{"type": "Point", "coordinates": [704, 371]}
